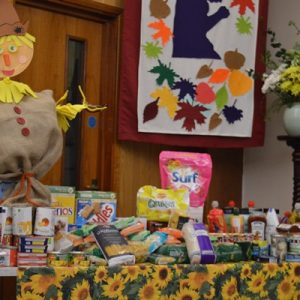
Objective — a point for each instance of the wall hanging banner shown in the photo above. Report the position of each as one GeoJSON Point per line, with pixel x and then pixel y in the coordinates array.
{"type": "Point", "coordinates": [186, 72]}
{"type": "Point", "coordinates": [193, 67]}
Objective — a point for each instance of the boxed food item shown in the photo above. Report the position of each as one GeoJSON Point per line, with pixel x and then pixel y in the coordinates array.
{"type": "Point", "coordinates": [113, 245]}
{"type": "Point", "coordinates": [95, 207]}
{"type": "Point", "coordinates": [63, 200]}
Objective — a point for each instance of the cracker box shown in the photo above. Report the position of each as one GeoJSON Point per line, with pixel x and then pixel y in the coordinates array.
{"type": "Point", "coordinates": [95, 207]}
{"type": "Point", "coordinates": [63, 200]}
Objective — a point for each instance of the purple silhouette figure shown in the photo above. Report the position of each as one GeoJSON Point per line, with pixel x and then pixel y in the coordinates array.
{"type": "Point", "coordinates": [191, 24]}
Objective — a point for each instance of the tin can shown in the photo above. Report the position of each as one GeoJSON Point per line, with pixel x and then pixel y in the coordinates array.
{"type": "Point", "coordinates": [58, 259]}
{"type": "Point", "coordinates": [50, 244]}
{"type": "Point", "coordinates": [16, 241]}
{"type": "Point", "coordinates": [278, 246]}
{"type": "Point", "coordinates": [294, 243]}
{"type": "Point", "coordinates": [44, 221]}
{"type": "Point", "coordinates": [22, 220]}
{"type": "Point", "coordinates": [8, 256]}
{"type": "Point", "coordinates": [6, 219]}
{"type": "Point", "coordinates": [7, 240]}
{"type": "Point", "coordinates": [79, 259]}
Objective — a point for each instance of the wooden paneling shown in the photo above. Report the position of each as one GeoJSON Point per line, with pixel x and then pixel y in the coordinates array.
{"type": "Point", "coordinates": [118, 3]}
{"type": "Point", "coordinates": [139, 165]}
{"type": "Point", "coordinates": [8, 288]}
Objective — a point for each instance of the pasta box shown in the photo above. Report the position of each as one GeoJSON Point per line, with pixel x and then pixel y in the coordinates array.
{"type": "Point", "coordinates": [95, 207]}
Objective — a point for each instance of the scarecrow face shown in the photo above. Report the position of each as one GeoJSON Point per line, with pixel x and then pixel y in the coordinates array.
{"type": "Point", "coordinates": [14, 59]}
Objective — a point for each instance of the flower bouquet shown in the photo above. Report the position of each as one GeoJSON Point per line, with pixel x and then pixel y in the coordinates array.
{"type": "Point", "coordinates": [283, 77]}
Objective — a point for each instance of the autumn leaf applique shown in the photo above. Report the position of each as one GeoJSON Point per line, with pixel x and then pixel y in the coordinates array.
{"type": "Point", "coordinates": [165, 73]}
{"type": "Point", "coordinates": [222, 97]}
{"type": "Point", "coordinates": [244, 25]}
{"type": "Point", "coordinates": [219, 76]}
{"type": "Point", "coordinates": [243, 5]}
{"type": "Point", "coordinates": [150, 111]}
{"type": "Point", "coordinates": [159, 9]}
{"type": "Point", "coordinates": [232, 114]}
{"type": "Point", "coordinates": [163, 32]}
{"type": "Point", "coordinates": [204, 71]}
{"type": "Point", "coordinates": [166, 100]}
{"type": "Point", "coordinates": [204, 93]}
{"type": "Point", "coordinates": [152, 50]}
{"type": "Point", "coordinates": [214, 121]}
{"type": "Point", "coordinates": [185, 87]}
{"type": "Point", "coordinates": [239, 83]}
{"type": "Point", "coordinates": [191, 115]}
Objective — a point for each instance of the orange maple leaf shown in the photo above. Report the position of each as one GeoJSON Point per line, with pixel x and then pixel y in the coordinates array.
{"type": "Point", "coordinates": [243, 4]}
{"type": "Point", "coordinates": [163, 31]}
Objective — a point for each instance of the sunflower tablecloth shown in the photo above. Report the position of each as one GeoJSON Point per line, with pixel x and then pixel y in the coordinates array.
{"type": "Point", "coordinates": [249, 280]}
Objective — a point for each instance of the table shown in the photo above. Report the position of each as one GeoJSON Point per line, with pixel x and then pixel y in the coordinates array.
{"type": "Point", "coordinates": [245, 280]}
{"type": "Point", "coordinates": [294, 142]}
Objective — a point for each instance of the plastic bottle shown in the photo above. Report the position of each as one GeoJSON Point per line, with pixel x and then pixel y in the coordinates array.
{"type": "Point", "coordinates": [244, 211]}
{"type": "Point", "coordinates": [215, 218]}
{"type": "Point", "coordinates": [237, 221]}
{"type": "Point", "coordinates": [272, 223]}
{"type": "Point", "coordinates": [257, 224]}
{"type": "Point", "coordinates": [228, 212]}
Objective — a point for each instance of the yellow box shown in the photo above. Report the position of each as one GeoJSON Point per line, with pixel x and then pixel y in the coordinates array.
{"type": "Point", "coordinates": [63, 198]}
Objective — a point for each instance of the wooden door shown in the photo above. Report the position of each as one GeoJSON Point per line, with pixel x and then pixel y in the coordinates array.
{"type": "Point", "coordinates": [94, 29]}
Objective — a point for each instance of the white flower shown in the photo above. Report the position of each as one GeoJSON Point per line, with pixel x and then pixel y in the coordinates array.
{"type": "Point", "coordinates": [271, 80]}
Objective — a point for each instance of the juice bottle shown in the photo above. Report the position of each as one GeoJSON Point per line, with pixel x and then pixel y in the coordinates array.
{"type": "Point", "coordinates": [237, 222]}
{"type": "Point", "coordinates": [215, 219]}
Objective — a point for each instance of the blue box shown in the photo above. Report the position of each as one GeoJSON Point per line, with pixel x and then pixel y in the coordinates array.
{"type": "Point", "coordinates": [95, 207]}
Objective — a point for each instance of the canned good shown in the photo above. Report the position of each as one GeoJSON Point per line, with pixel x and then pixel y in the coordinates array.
{"type": "Point", "coordinates": [58, 259]}
{"type": "Point", "coordinates": [44, 221]}
{"type": "Point", "coordinates": [78, 258]}
{"type": "Point", "coordinates": [294, 244]}
{"type": "Point", "coordinates": [22, 220]}
{"type": "Point", "coordinates": [7, 240]}
{"type": "Point", "coordinates": [6, 219]}
{"type": "Point", "coordinates": [8, 256]}
{"type": "Point", "coordinates": [278, 246]}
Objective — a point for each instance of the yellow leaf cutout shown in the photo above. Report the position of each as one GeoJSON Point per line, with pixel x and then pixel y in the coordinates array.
{"type": "Point", "coordinates": [219, 76]}
{"type": "Point", "coordinates": [239, 83]}
{"type": "Point", "coordinates": [167, 100]}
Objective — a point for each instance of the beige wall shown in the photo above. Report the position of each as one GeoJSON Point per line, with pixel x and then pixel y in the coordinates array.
{"type": "Point", "coordinates": [268, 171]}
{"type": "Point", "coordinates": [118, 3]}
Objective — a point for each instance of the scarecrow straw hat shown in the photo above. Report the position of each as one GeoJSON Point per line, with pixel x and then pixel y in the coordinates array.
{"type": "Point", "coordinates": [9, 20]}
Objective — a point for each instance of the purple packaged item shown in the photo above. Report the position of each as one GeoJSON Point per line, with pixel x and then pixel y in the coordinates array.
{"type": "Point", "coordinates": [199, 247]}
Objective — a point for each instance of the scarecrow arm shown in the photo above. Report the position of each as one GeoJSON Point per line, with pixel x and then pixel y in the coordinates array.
{"type": "Point", "coordinates": [68, 112]}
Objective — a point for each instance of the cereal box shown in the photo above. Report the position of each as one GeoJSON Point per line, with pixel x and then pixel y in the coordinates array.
{"type": "Point", "coordinates": [95, 207]}
{"type": "Point", "coordinates": [63, 200]}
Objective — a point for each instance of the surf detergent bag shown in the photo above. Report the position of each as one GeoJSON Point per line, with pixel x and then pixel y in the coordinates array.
{"type": "Point", "coordinates": [188, 170]}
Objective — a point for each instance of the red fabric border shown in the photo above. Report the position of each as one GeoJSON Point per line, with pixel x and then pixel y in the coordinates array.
{"type": "Point", "coordinates": [127, 127]}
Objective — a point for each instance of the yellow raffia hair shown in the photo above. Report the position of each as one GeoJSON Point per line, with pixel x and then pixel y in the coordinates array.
{"type": "Point", "coordinates": [26, 39]}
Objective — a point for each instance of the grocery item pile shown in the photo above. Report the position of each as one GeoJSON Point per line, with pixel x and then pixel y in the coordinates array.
{"type": "Point", "coordinates": [82, 228]}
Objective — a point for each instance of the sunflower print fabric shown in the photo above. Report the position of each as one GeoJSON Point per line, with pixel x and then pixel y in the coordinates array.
{"type": "Point", "coordinates": [177, 282]}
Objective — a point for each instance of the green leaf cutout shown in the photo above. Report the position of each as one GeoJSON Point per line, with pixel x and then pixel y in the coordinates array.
{"type": "Point", "coordinates": [221, 97]}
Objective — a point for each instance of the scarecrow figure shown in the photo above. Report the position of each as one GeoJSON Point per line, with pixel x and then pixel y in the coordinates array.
{"type": "Point", "coordinates": [31, 124]}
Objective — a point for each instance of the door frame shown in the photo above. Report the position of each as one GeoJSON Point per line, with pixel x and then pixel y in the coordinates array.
{"type": "Point", "coordinates": [111, 19]}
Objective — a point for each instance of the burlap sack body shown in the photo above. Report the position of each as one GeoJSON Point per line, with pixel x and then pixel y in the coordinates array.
{"type": "Point", "coordinates": [26, 158]}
